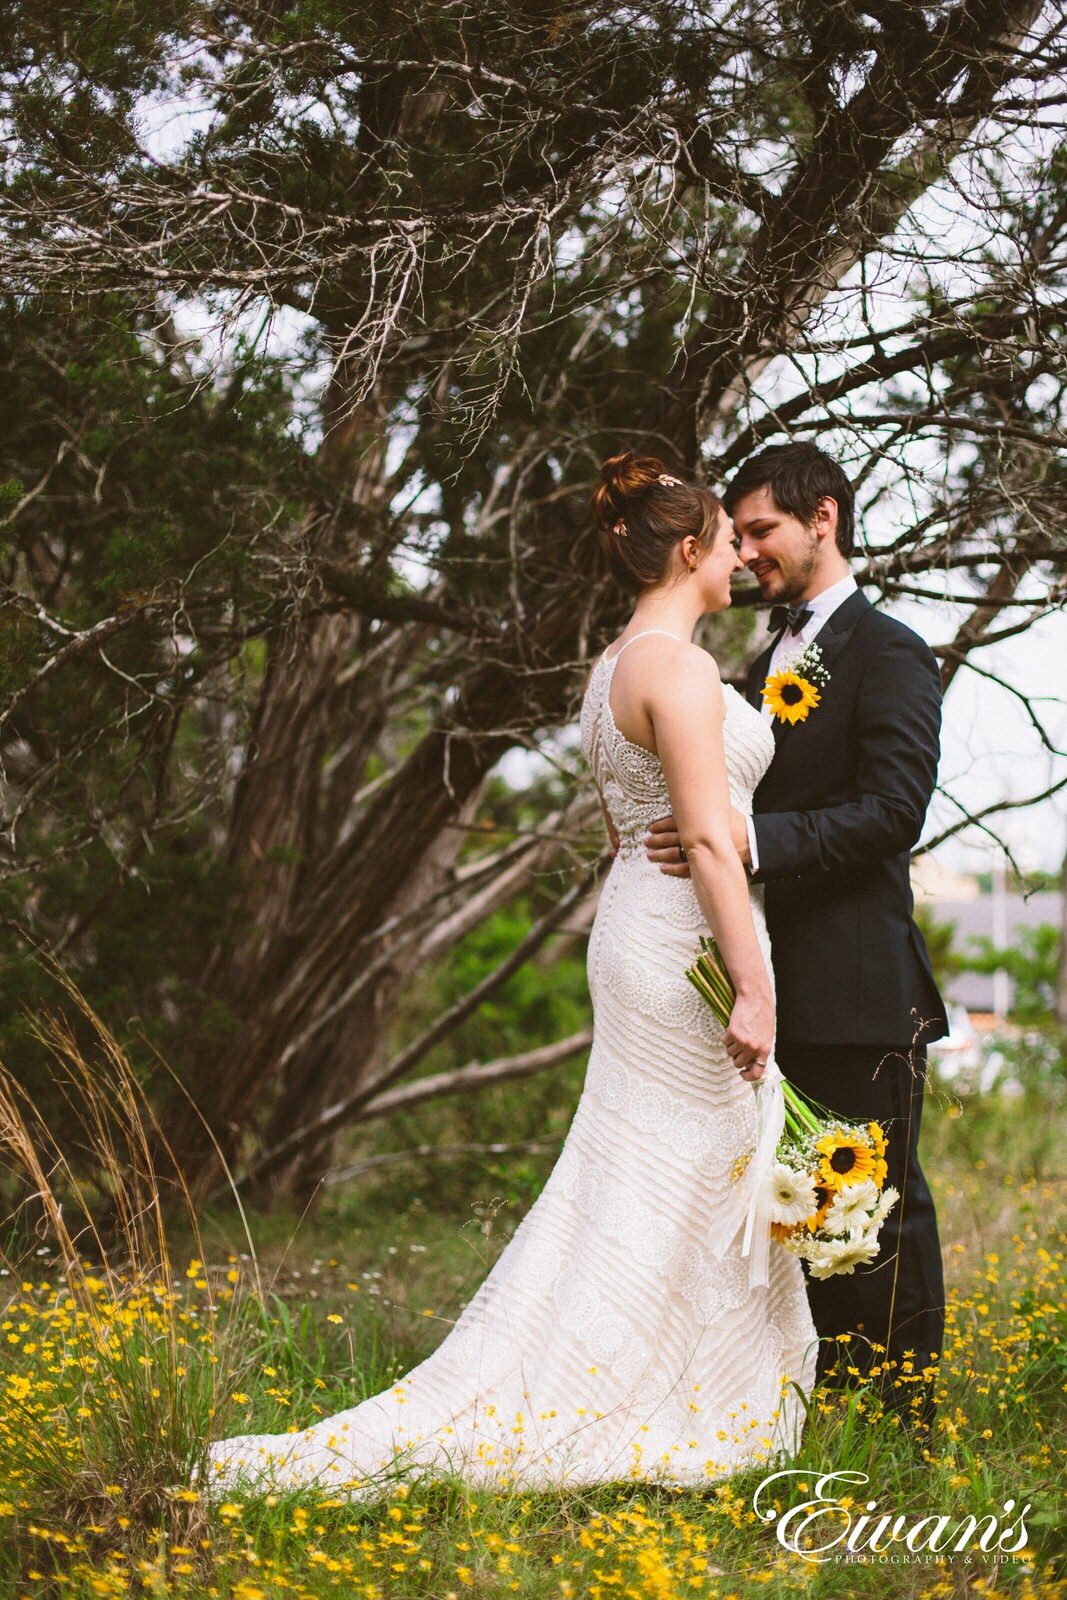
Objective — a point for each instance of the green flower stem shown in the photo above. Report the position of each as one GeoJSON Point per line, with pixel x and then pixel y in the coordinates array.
{"type": "Point", "coordinates": [707, 993]}
{"type": "Point", "coordinates": [711, 979]}
{"type": "Point", "coordinates": [724, 996]}
{"type": "Point", "coordinates": [712, 968]}
{"type": "Point", "coordinates": [799, 1109]}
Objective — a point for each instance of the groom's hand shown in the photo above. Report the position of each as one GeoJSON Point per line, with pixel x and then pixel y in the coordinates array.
{"type": "Point", "coordinates": [664, 846]}
{"type": "Point", "coordinates": [739, 835]}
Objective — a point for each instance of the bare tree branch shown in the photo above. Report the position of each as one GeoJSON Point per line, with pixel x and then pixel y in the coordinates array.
{"type": "Point", "coordinates": [971, 818]}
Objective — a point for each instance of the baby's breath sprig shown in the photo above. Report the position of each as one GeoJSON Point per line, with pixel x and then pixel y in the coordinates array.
{"type": "Point", "coordinates": [808, 663]}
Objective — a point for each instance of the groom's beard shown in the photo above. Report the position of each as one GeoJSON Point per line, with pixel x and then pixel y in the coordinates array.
{"type": "Point", "coordinates": [788, 583]}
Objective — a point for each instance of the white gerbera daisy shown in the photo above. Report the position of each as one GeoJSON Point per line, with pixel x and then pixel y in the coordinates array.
{"type": "Point", "coordinates": [852, 1208]}
{"type": "Point", "coordinates": [887, 1201]}
{"type": "Point", "coordinates": [792, 1195]}
{"type": "Point", "coordinates": [842, 1255]}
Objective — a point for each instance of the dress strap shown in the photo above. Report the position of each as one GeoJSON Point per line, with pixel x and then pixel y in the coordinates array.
{"type": "Point", "coordinates": [611, 660]}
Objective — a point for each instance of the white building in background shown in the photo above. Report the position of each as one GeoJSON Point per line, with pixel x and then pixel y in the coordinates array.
{"type": "Point", "coordinates": [957, 899]}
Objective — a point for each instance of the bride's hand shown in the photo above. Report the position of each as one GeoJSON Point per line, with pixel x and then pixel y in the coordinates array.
{"type": "Point", "coordinates": [750, 1035]}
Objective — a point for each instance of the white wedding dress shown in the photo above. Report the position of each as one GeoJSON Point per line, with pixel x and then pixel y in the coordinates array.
{"type": "Point", "coordinates": [619, 1334]}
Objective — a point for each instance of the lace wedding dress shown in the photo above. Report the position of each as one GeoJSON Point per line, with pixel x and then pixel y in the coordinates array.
{"type": "Point", "coordinates": [620, 1334]}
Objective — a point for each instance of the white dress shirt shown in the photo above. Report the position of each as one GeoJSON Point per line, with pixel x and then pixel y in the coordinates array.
{"type": "Point", "coordinates": [822, 607]}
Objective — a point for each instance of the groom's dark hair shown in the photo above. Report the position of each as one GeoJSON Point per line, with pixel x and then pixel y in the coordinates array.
{"type": "Point", "coordinates": [798, 475]}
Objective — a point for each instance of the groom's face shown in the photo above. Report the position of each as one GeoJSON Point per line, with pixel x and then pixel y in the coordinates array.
{"type": "Point", "coordinates": [780, 551]}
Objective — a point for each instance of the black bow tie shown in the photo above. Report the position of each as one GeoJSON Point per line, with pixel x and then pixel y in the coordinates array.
{"type": "Point", "coordinates": [791, 617]}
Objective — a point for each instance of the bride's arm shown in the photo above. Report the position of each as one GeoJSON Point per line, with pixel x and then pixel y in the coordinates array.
{"type": "Point", "coordinates": [683, 697]}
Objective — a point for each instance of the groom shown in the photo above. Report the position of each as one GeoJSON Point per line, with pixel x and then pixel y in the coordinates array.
{"type": "Point", "coordinates": [836, 814]}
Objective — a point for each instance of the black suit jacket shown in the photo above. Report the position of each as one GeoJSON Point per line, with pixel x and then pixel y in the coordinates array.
{"type": "Point", "coordinates": [835, 818]}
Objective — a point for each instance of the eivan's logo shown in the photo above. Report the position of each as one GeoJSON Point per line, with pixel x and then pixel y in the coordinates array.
{"type": "Point", "coordinates": [824, 1528]}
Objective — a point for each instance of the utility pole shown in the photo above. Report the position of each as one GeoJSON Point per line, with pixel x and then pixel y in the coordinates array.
{"type": "Point", "coordinates": [1001, 981]}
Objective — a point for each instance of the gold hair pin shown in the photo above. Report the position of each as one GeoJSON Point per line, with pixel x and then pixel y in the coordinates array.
{"type": "Point", "coordinates": [668, 482]}
{"type": "Point", "coordinates": [620, 529]}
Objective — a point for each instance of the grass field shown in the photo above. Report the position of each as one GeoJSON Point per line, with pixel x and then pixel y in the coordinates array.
{"type": "Point", "coordinates": [112, 1379]}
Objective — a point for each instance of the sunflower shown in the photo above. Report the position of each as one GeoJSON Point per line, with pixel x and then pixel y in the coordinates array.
{"type": "Point", "coordinates": [824, 1199]}
{"type": "Point", "coordinates": [789, 696]}
{"type": "Point", "coordinates": [846, 1158]}
{"type": "Point", "coordinates": [878, 1138]}
{"type": "Point", "coordinates": [781, 1232]}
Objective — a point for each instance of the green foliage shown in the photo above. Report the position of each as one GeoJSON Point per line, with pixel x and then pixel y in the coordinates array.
{"type": "Point", "coordinates": [163, 501]}
{"type": "Point", "coordinates": [495, 242]}
{"type": "Point", "coordinates": [1032, 963]}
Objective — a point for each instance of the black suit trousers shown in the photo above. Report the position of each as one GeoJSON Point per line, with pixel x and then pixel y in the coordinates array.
{"type": "Point", "coordinates": [898, 1300]}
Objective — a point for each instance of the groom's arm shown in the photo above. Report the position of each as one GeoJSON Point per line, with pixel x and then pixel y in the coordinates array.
{"type": "Point", "coordinates": [613, 832]}
{"type": "Point", "coordinates": [897, 730]}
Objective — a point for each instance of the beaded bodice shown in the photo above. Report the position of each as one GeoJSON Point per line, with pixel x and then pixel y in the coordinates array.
{"type": "Point", "coordinates": [630, 777]}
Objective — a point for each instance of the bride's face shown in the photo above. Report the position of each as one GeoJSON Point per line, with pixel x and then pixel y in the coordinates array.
{"type": "Point", "coordinates": [717, 566]}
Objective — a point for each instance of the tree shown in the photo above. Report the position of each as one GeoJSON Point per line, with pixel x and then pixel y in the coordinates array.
{"type": "Point", "coordinates": [508, 240]}
{"type": "Point", "coordinates": [1031, 962]}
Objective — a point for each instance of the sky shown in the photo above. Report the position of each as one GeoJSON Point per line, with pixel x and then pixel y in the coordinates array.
{"type": "Point", "coordinates": [991, 752]}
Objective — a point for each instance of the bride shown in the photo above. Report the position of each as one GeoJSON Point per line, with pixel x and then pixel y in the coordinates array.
{"type": "Point", "coordinates": [625, 1332]}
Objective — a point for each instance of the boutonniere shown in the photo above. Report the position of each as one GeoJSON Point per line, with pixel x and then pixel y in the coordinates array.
{"type": "Point", "coordinates": [793, 691]}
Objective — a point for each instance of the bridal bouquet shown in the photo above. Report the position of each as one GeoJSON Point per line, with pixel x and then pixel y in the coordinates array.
{"type": "Point", "coordinates": [825, 1192]}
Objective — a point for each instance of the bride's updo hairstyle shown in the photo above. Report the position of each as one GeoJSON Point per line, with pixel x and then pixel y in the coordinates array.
{"type": "Point", "coordinates": [643, 511]}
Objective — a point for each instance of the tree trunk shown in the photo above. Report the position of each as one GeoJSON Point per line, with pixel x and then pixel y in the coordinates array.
{"type": "Point", "coordinates": [348, 1045]}
{"type": "Point", "coordinates": [315, 985]}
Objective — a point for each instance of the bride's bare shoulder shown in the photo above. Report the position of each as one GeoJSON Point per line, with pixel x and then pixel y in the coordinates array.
{"type": "Point", "coordinates": [668, 677]}
{"type": "Point", "coordinates": [680, 658]}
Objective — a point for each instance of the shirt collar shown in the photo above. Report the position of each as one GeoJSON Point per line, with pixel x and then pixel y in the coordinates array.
{"type": "Point", "coordinates": [824, 604]}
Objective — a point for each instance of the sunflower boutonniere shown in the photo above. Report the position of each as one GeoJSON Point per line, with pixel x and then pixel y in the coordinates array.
{"type": "Point", "coordinates": [793, 691]}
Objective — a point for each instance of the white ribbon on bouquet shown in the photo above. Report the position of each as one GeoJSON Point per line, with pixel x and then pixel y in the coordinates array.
{"type": "Point", "coordinates": [750, 1204]}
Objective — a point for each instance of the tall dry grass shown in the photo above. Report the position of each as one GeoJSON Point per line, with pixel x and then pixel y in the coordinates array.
{"type": "Point", "coordinates": [126, 1367]}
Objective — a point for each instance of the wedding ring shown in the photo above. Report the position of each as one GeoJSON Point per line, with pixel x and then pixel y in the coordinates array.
{"type": "Point", "coordinates": [681, 853]}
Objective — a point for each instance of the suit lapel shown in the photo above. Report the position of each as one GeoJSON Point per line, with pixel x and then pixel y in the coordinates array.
{"type": "Point", "coordinates": [838, 629]}
{"type": "Point", "coordinates": [831, 639]}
